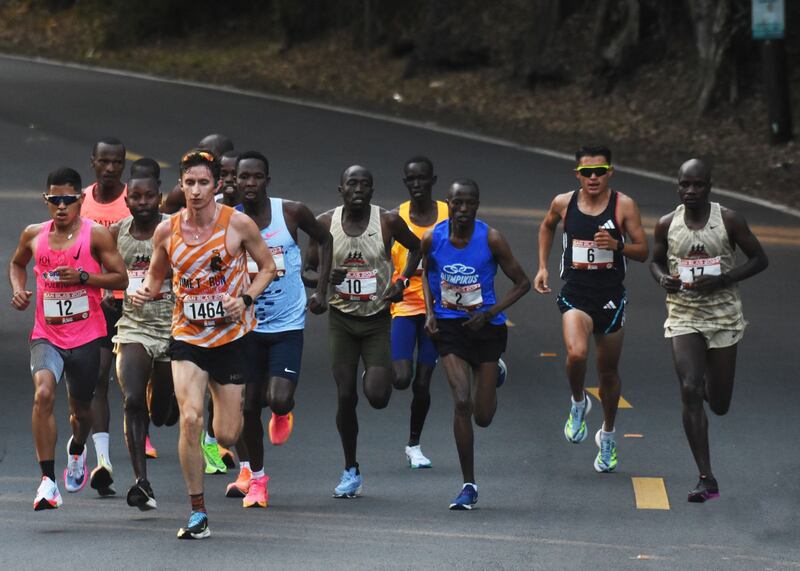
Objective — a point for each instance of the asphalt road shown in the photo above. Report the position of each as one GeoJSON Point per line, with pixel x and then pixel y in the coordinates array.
{"type": "Point", "coordinates": [542, 506]}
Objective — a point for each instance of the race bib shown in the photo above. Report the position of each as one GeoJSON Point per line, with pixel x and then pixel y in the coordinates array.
{"type": "Point", "coordinates": [461, 297]}
{"type": "Point", "coordinates": [204, 310]}
{"type": "Point", "coordinates": [692, 268]}
{"type": "Point", "coordinates": [587, 256]}
{"type": "Point", "coordinates": [359, 285]}
{"type": "Point", "coordinates": [277, 256]}
{"type": "Point", "coordinates": [65, 307]}
{"type": "Point", "coordinates": [136, 280]}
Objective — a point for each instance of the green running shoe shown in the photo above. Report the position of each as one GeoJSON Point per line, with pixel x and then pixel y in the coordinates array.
{"type": "Point", "coordinates": [575, 430]}
{"type": "Point", "coordinates": [214, 463]}
{"type": "Point", "coordinates": [606, 460]}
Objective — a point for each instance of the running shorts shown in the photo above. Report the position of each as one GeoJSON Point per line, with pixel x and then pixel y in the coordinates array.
{"type": "Point", "coordinates": [78, 366]}
{"type": "Point", "coordinates": [275, 355]}
{"type": "Point", "coordinates": [408, 332]}
{"type": "Point", "coordinates": [353, 337]}
{"type": "Point", "coordinates": [715, 338]}
{"type": "Point", "coordinates": [157, 346]}
{"type": "Point", "coordinates": [475, 347]}
{"type": "Point", "coordinates": [226, 364]}
{"type": "Point", "coordinates": [606, 308]}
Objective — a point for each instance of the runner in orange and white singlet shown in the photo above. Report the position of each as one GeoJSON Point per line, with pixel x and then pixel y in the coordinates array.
{"type": "Point", "coordinates": [205, 245]}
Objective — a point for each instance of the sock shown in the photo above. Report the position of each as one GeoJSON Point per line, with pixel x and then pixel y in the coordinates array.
{"type": "Point", "coordinates": [475, 486]}
{"type": "Point", "coordinates": [358, 472]}
{"type": "Point", "coordinates": [198, 502]}
{"type": "Point", "coordinates": [75, 449]}
{"type": "Point", "coordinates": [209, 439]}
{"type": "Point", "coordinates": [101, 446]}
{"type": "Point", "coordinates": [258, 473]}
{"type": "Point", "coordinates": [48, 469]}
{"type": "Point", "coordinates": [243, 465]}
{"type": "Point", "coordinates": [606, 435]}
{"type": "Point", "coordinates": [579, 404]}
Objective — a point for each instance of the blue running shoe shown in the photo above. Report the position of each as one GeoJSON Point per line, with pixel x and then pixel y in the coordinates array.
{"type": "Point", "coordinates": [75, 472]}
{"type": "Point", "coordinates": [466, 499]}
{"type": "Point", "coordinates": [575, 428]}
{"type": "Point", "coordinates": [197, 528]}
{"type": "Point", "coordinates": [502, 372]}
{"type": "Point", "coordinates": [606, 460]}
{"type": "Point", "coordinates": [350, 485]}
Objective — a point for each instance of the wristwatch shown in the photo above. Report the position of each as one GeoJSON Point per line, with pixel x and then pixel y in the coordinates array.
{"type": "Point", "coordinates": [248, 300]}
{"type": "Point", "coordinates": [404, 281]}
{"type": "Point", "coordinates": [620, 245]}
{"type": "Point", "coordinates": [83, 277]}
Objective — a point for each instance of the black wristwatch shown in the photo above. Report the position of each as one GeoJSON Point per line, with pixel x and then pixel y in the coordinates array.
{"type": "Point", "coordinates": [248, 300]}
{"type": "Point", "coordinates": [83, 277]}
{"type": "Point", "coordinates": [404, 281]}
{"type": "Point", "coordinates": [620, 245]}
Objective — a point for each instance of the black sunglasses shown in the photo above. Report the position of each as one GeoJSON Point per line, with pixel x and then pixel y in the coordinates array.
{"type": "Point", "coordinates": [589, 171]}
{"type": "Point", "coordinates": [65, 199]}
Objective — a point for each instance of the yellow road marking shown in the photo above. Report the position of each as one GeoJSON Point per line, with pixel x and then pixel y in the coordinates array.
{"type": "Point", "coordinates": [547, 355]}
{"type": "Point", "coordinates": [634, 435]}
{"type": "Point", "coordinates": [651, 494]}
{"type": "Point", "coordinates": [595, 392]}
{"type": "Point", "coordinates": [136, 156]}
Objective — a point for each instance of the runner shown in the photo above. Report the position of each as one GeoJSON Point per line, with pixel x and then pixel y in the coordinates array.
{"type": "Point", "coordinates": [359, 320]}
{"type": "Point", "coordinates": [230, 194]}
{"type": "Point", "coordinates": [205, 247]}
{"type": "Point", "coordinates": [592, 301]}
{"type": "Point", "coordinates": [694, 260]}
{"type": "Point", "coordinates": [143, 368]}
{"type": "Point", "coordinates": [74, 260]}
{"type": "Point", "coordinates": [276, 344]}
{"type": "Point", "coordinates": [217, 145]}
{"type": "Point", "coordinates": [104, 202]}
{"type": "Point", "coordinates": [464, 317]}
{"type": "Point", "coordinates": [421, 213]}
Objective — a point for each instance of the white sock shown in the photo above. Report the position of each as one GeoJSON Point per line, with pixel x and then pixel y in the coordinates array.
{"type": "Point", "coordinates": [101, 446]}
{"type": "Point", "coordinates": [243, 465]}
{"type": "Point", "coordinates": [210, 439]}
{"type": "Point", "coordinates": [579, 404]}
{"type": "Point", "coordinates": [606, 435]}
{"type": "Point", "coordinates": [259, 474]}
{"type": "Point", "coordinates": [471, 484]}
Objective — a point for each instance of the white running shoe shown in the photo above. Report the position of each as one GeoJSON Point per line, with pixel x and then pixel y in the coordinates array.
{"type": "Point", "coordinates": [75, 472]}
{"type": "Point", "coordinates": [47, 496]}
{"type": "Point", "coordinates": [416, 459]}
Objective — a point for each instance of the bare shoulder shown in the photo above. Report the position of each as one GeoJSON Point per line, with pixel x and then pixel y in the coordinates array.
{"type": "Point", "coordinates": [163, 230]}
{"type": "Point", "coordinates": [326, 217]}
{"type": "Point", "coordinates": [666, 220]}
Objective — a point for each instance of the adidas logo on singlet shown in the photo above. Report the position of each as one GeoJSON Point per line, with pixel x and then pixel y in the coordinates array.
{"type": "Point", "coordinates": [608, 225]}
{"type": "Point", "coordinates": [610, 305]}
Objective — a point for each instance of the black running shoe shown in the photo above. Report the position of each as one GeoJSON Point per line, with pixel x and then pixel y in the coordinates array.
{"type": "Point", "coordinates": [706, 489]}
{"type": "Point", "coordinates": [141, 496]}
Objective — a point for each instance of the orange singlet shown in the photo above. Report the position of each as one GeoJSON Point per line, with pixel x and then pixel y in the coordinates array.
{"type": "Point", "coordinates": [201, 275]}
{"type": "Point", "coordinates": [105, 213]}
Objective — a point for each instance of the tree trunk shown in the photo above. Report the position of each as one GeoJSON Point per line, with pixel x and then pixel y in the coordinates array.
{"type": "Point", "coordinates": [713, 33]}
{"type": "Point", "coordinates": [617, 42]}
{"type": "Point", "coordinates": [536, 61]}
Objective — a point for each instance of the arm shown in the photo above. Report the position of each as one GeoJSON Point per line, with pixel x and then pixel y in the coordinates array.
{"type": "Point", "coordinates": [174, 201]}
{"type": "Point", "coordinates": [17, 269]}
{"type": "Point", "coordinates": [636, 248]}
{"type": "Point", "coordinates": [400, 232]}
{"type": "Point", "coordinates": [323, 241]}
{"type": "Point", "coordinates": [511, 268]}
{"type": "Point", "coordinates": [159, 266]}
{"type": "Point", "coordinates": [313, 257]}
{"type": "Point", "coordinates": [430, 319]}
{"type": "Point", "coordinates": [104, 249]}
{"type": "Point", "coordinates": [658, 266]}
{"type": "Point", "coordinates": [257, 249]}
{"type": "Point", "coordinates": [546, 232]}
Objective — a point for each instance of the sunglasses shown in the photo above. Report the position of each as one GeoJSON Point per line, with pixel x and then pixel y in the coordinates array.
{"type": "Point", "coordinates": [693, 183]}
{"type": "Point", "coordinates": [205, 155]}
{"type": "Point", "coordinates": [597, 170]}
{"type": "Point", "coordinates": [65, 199]}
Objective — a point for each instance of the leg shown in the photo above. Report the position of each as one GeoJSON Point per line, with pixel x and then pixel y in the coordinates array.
{"type": "Point", "coordinates": [162, 392]}
{"type": "Point", "coordinates": [134, 367]}
{"type": "Point", "coordinates": [403, 339]}
{"type": "Point", "coordinates": [485, 397]}
{"type": "Point", "coordinates": [280, 395]}
{"type": "Point", "coordinates": [100, 410]}
{"type": "Point", "coordinates": [253, 431]}
{"type": "Point", "coordinates": [458, 376]}
{"type": "Point", "coordinates": [378, 386]}
{"type": "Point", "coordinates": [427, 356]}
{"type": "Point", "coordinates": [190, 389]}
{"type": "Point", "coordinates": [720, 371]}
{"type": "Point", "coordinates": [377, 356]}
{"type": "Point", "coordinates": [43, 421]}
{"type": "Point", "coordinates": [346, 419]}
{"type": "Point", "coordinates": [577, 325]}
{"type": "Point", "coordinates": [609, 349]}
{"type": "Point", "coordinates": [228, 418]}
{"type": "Point", "coordinates": [80, 418]}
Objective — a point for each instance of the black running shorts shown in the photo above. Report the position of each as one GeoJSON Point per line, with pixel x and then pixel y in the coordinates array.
{"type": "Point", "coordinates": [227, 364]}
{"type": "Point", "coordinates": [475, 347]}
{"type": "Point", "coordinates": [78, 366]}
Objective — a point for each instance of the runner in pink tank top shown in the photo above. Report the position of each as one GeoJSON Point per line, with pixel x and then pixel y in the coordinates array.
{"type": "Point", "coordinates": [70, 255]}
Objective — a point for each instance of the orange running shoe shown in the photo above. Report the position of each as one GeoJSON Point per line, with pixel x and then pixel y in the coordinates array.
{"type": "Point", "coordinates": [280, 428]}
{"type": "Point", "coordinates": [149, 451]}
{"type": "Point", "coordinates": [257, 496]}
{"type": "Point", "coordinates": [241, 486]}
{"type": "Point", "coordinates": [227, 457]}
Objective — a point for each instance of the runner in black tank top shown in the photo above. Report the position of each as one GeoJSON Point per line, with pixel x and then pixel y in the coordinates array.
{"type": "Point", "coordinates": [596, 220]}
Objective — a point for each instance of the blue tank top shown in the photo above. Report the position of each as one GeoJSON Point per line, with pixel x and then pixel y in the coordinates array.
{"type": "Point", "coordinates": [462, 279]}
{"type": "Point", "coordinates": [282, 306]}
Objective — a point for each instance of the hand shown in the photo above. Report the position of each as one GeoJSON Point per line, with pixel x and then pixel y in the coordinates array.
{"type": "Point", "coordinates": [707, 284]}
{"type": "Point", "coordinates": [21, 299]}
{"type": "Point", "coordinates": [670, 283]}
{"type": "Point", "coordinates": [233, 305]}
{"type": "Point", "coordinates": [477, 320]}
{"type": "Point", "coordinates": [540, 282]}
{"type": "Point", "coordinates": [140, 296]}
{"type": "Point", "coordinates": [68, 275]}
{"type": "Point", "coordinates": [604, 240]}
{"type": "Point", "coordinates": [338, 275]}
{"type": "Point", "coordinates": [394, 292]}
{"type": "Point", "coordinates": [108, 302]}
{"type": "Point", "coordinates": [317, 304]}
{"type": "Point", "coordinates": [431, 327]}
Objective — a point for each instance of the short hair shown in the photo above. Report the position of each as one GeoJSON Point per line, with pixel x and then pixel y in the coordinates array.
{"type": "Point", "coordinates": [467, 182]}
{"type": "Point", "coordinates": [111, 142]}
{"type": "Point", "coordinates": [419, 159]}
{"type": "Point", "coordinates": [253, 155]}
{"type": "Point", "coordinates": [216, 143]}
{"type": "Point", "coordinates": [593, 152]}
{"type": "Point", "coordinates": [195, 158]}
{"type": "Point", "coordinates": [145, 164]}
{"type": "Point", "coordinates": [230, 155]}
{"type": "Point", "coordinates": [65, 176]}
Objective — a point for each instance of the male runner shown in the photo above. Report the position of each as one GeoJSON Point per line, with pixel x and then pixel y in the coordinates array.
{"type": "Point", "coordinates": [421, 213]}
{"type": "Point", "coordinates": [592, 301]}
{"type": "Point", "coordinates": [464, 317]}
{"type": "Point", "coordinates": [276, 343]}
{"type": "Point", "coordinates": [204, 245]}
{"type": "Point", "coordinates": [104, 202]}
{"type": "Point", "coordinates": [217, 145]}
{"type": "Point", "coordinates": [359, 320]}
{"type": "Point", "coordinates": [74, 260]}
{"type": "Point", "coordinates": [143, 367]}
{"type": "Point", "coordinates": [694, 260]}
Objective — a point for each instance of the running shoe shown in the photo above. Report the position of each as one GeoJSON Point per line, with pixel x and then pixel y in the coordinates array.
{"type": "Point", "coordinates": [502, 372]}
{"type": "Point", "coordinates": [149, 451]}
{"type": "Point", "coordinates": [214, 463]}
{"type": "Point", "coordinates": [47, 496]}
{"type": "Point", "coordinates": [75, 472]}
{"type": "Point", "coordinates": [416, 459]}
{"type": "Point", "coordinates": [258, 495]}
{"type": "Point", "coordinates": [141, 496]}
{"type": "Point", "coordinates": [280, 428]}
{"type": "Point", "coordinates": [227, 457]}
{"type": "Point", "coordinates": [575, 430]}
{"type": "Point", "coordinates": [102, 478]}
{"type": "Point", "coordinates": [350, 485]}
{"type": "Point", "coordinates": [241, 486]}
{"type": "Point", "coordinates": [466, 500]}
{"type": "Point", "coordinates": [606, 460]}
{"type": "Point", "coordinates": [197, 528]}
{"type": "Point", "coordinates": [706, 489]}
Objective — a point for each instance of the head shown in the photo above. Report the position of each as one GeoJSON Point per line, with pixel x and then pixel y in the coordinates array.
{"type": "Point", "coordinates": [199, 178]}
{"type": "Point", "coordinates": [252, 177]}
{"type": "Point", "coordinates": [694, 183]}
{"type": "Point", "coordinates": [463, 199]}
{"type": "Point", "coordinates": [227, 164]}
{"type": "Point", "coordinates": [64, 196]}
{"type": "Point", "coordinates": [146, 168]}
{"type": "Point", "coordinates": [108, 161]}
{"type": "Point", "coordinates": [144, 198]}
{"type": "Point", "coordinates": [593, 169]}
{"type": "Point", "coordinates": [356, 187]}
{"type": "Point", "coordinates": [419, 178]}
{"type": "Point", "coordinates": [217, 144]}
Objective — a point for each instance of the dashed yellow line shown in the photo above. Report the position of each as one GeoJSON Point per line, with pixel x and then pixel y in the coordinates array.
{"type": "Point", "coordinates": [136, 156]}
{"type": "Point", "coordinates": [595, 392]}
{"type": "Point", "coordinates": [651, 494]}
